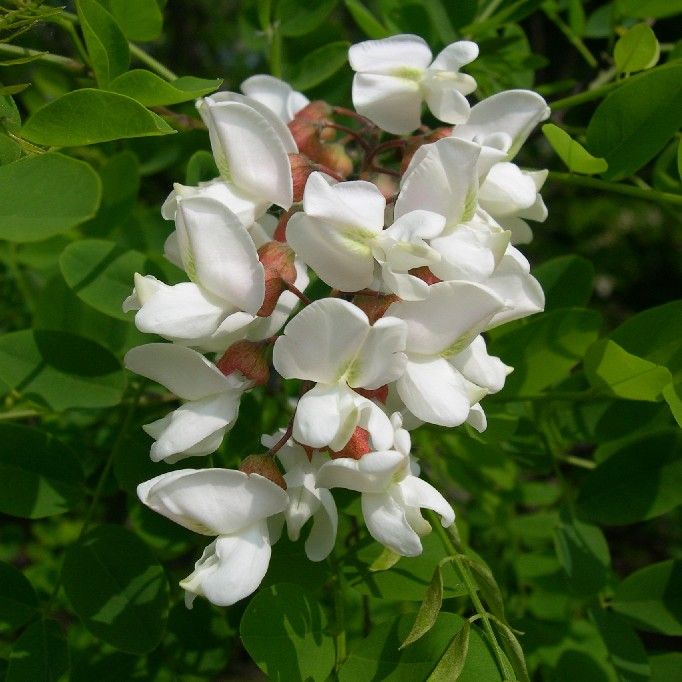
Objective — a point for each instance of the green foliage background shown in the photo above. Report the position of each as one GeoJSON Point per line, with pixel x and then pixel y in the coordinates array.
{"type": "Point", "coordinates": [570, 499]}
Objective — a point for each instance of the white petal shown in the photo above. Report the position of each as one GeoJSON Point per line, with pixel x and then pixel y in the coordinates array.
{"type": "Point", "coordinates": [392, 103]}
{"type": "Point", "coordinates": [383, 465]}
{"type": "Point", "coordinates": [321, 342]}
{"type": "Point", "coordinates": [387, 524]}
{"type": "Point", "coordinates": [442, 177]}
{"type": "Point", "coordinates": [423, 495]}
{"type": "Point", "coordinates": [181, 370]}
{"type": "Point", "coordinates": [452, 315]}
{"type": "Point", "coordinates": [194, 423]}
{"type": "Point", "coordinates": [388, 54]}
{"type": "Point", "coordinates": [513, 112]}
{"type": "Point", "coordinates": [213, 501]}
{"type": "Point", "coordinates": [480, 368]}
{"type": "Point", "coordinates": [506, 190]}
{"type": "Point", "coordinates": [405, 286]}
{"type": "Point", "coordinates": [325, 416]}
{"type": "Point", "coordinates": [232, 567]}
{"type": "Point", "coordinates": [380, 359]}
{"type": "Point", "coordinates": [373, 419]}
{"type": "Point", "coordinates": [249, 152]}
{"type": "Point", "coordinates": [455, 56]}
{"type": "Point", "coordinates": [477, 418]}
{"type": "Point", "coordinates": [218, 252]}
{"type": "Point", "coordinates": [204, 447]}
{"type": "Point", "coordinates": [445, 98]}
{"type": "Point", "coordinates": [322, 536]}
{"type": "Point", "coordinates": [521, 232]}
{"type": "Point", "coordinates": [275, 94]}
{"type": "Point", "coordinates": [435, 392]}
{"type": "Point", "coordinates": [302, 505]}
{"type": "Point", "coordinates": [415, 226]}
{"type": "Point", "coordinates": [344, 472]}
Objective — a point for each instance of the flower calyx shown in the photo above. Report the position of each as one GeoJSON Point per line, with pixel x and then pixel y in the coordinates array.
{"type": "Point", "coordinates": [265, 466]}
{"type": "Point", "coordinates": [248, 358]}
{"type": "Point", "coordinates": [277, 260]}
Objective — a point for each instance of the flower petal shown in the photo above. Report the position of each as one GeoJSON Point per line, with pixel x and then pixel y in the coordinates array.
{"type": "Point", "coordinates": [506, 190]}
{"type": "Point", "coordinates": [455, 56]}
{"type": "Point", "coordinates": [420, 494]}
{"type": "Point", "coordinates": [388, 54]}
{"type": "Point", "coordinates": [181, 370]}
{"type": "Point", "coordinates": [322, 536]}
{"type": "Point", "coordinates": [482, 369]}
{"type": "Point", "coordinates": [276, 95]}
{"type": "Point", "coordinates": [387, 524]}
{"type": "Point", "coordinates": [344, 472]}
{"type": "Point", "coordinates": [213, 501]}
{"type": "Point", "coordinates": [445, 99]}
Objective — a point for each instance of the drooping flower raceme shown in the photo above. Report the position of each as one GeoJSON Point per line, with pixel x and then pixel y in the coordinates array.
{"type": "Point", "coordinates": [408, 244]}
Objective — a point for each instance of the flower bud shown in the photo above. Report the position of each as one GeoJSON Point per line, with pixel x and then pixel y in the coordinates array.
{"type": "Point", "coordinates": [417, 141]}
{"type": "Point", "coordinates": [335, 158]}
{"type": "Point", "coordinates": [249, 358]}
{"type": "Point", "coordinates": [278, 262]}
{"type": "Point", "coordinates": [356, 447]}
{"type": "Point", "coordinates": [425, 275]}
{"type": "Point", "coordinates": [374, 305]}
{"type": "Point", "coordinates": [265, 466]}
{"type": "Point", "coordinates": [301, 168]}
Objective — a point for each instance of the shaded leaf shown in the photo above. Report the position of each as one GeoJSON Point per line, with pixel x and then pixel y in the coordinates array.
{"type": "Point", "coordinates": [297, 19]}
{"type": "Point", "coordinates": [151, 90]}
{"type": "Point", "coordinates": [138, 19]}
{"type": "Point", "coordinates": [366, 21]}
{"type": "Point", "coordinates": [39, 655]}
{"type": "Point", "coordinates": [452, 662]}
{"type": "Point", "coordinates": [200, 167]}
{"type": "Point", "coordinates": [319, 65]}
{"type": "Point", "coordinates": [18, 600]}
{"type": "Point", "coordinates": [428, 609]}
{"type": "Point", "coordinates": [566, 281]}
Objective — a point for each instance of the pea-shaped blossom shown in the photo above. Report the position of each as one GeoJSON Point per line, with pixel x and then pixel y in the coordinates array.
{"type": "Point", "coordinates": [220, 299]}
{"type": "Point", "coordinates": [211, 399]}
{"type": "Point", "coordinates": [332, 343]}
{"type": "Point", "coordinates": [392, 494]}
{"type": "Point", "coordinates": [435, 387]}
{"type": "Point", "coordinates": [306, 500]}
{"type": "Point", "coordinates": [228, 504]}
{"type": "Point", "coordinates": [276, 95]}
{"type": "Point", "coordinates": [340, 235]}
{"type": "Point", "coordinates": [250, 145]}
{"type": "Point", "coordinates": [395, 75]}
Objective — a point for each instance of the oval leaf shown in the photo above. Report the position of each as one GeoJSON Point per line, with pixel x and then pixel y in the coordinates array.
{"type": "Point", "coordinates": [428, 609]}
{"type": "Point", "coordinates": [319, 65]}
{"type": "Point", "coordinates": [89, 116]}
{"type": "Point", "coordinates": [635, 121]}
{"type": "Point", "coordinates": [283, 629]}
{"type": "Point", "coordinates": [39, 654]}
{"type": "Point", "coordinates": [117, 588]}
{"type": "Point", "coordinates": [18, 600]}
{"type": "Point", "coordinates": [148, 89]}
{"type": "Point", "coordinates": [566, 281]}
{"type": "Point", "coordinates": [138, 19]}
{"type": "Point", "coordinates": [41, 196]}
{"type": "Point", "coordinates": [61, 369]}
{"type": "Point", "coordinates": [637, 49]}
{"type": "Point", "coordinates": [101, 273]}
{"type": "Point", "coordinates": [41, 476]}
{"type": "Point", "coordinates": [572, 153]}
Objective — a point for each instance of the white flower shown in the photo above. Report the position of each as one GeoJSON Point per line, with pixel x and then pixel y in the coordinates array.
{"type": "Point", "coordinates": [439, 328]}
{"type": "Point", "coordinates": [340, 235]}
{"type": "Point", "coordinates": [306, 500]}
{"type": "Point", "coordinates": [392, 495]}
{"type": "Point", "coordinates": [331, 342]}
{"type": "Point", "coordinates": [251, 147]}
{"type": "Point", "coordinates": [230, 505]}
{"type": "Point", "coordinates": [276, 95]}
{"type": "Point", "coordinates": [220, 300]}
{"type": "Point", "coordinates": [211, 400]}
{"type": "Point", "coordinates": [396, 74]}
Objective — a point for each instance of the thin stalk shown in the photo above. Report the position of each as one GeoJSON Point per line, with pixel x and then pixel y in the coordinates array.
{"type": "Point", "coordinates": [578, 461]}
{"type": "Point", "coordinates": [19, 414]}
{"type": "Point", "coordinates": [617, 188]}
{"type": "Point", "coordinates": [452, 543]}
{"type": "Point", "coordinates": [75, 39]}
{"type": "Point", "coordinates": [41, 56]}
{"type": "Point", "coordinates": [339, 617]}
{"type": "Point", "coordinates": [275, 56]}
{"type": "Point", "coordinates": [582, 97]}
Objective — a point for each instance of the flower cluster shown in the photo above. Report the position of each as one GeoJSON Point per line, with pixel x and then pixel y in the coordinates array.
{"type": "Point", "coordinates": [418, 259]}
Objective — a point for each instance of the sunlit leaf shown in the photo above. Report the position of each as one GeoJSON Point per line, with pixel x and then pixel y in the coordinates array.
{"type": "Point", "coordinates": [572, 153]}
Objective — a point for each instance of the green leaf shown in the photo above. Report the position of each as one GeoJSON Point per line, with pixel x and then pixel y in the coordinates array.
{"type": "Point", "coordinates": [377, 657]}
{"type": "Point", "coordinates": [614, 371]}
{"type": "Point", "coordinates": [39, 655]}
{"type": "Point", "coordinates": [655, 9]}
{"type": "Point", "coordinates": [672, 394]}
{"type": "Point", "coordinates": [9, 150]}
{"type": "Point", "coordinates": [666, 667]}
{"type": "Point", "coordinates": [387, 559]}
{"type": "Point", "coordinates": [635, 121]}
{"type": "Point", "coordinates": [566, 280]}
{"type": "Point", "coordinates": [652, 598]}
{"type": "Point", "coordinates": [319, 65]}
{"type": "Point", "coordinates": [545, 349]}
{"type": "Point", "coordinates": [679, 159]}
{"type": "Point", "coordinates": [637, 49]}
{"type": "Point", "coordinates": [490, 590]}
{"type": "Point", "coordinates": [428, 609]}
{"type": "Point", "coordinates": [61, 369]}
{"type": "Point", "coordinates": [41, 196]}
{"type": "Point", "coordinates": [452, 662]}
{"type": "Point", "coordinates": [107, 46]}
{"type": "Point", "coordinates": [9, 114]}
{"type": "Point", "coordinates": [89, 116]}
{"type": "Point", "coordinates": [297, 19]}
{"type": "Point", "coordinates": [626, 651]}
{"type": "Point", "coordinates": [642, 479]}
{"type": "Point", "coordinates": [117, 588]}
{"type": "Point", "coordinates": [583, 553]}
{"type": "Point", "coordinates": [18, 600]}
{"type": "Point", "coordinates": [139, 19]}
{"type": "Point", "coordinates": [283, 629]}
{"type": "Point", "coordinates": [200, 167]}
{"type": "Point", "coordinates": [41, 477]}
{"type": "Point", "coordinates": [151, 90]}
{"type": "Point", "coordinates": [405, 581]}
{"type": "Point", "coordinates": [366, 21]}
{"type": "Point", "coordinates": [101, 273]}
{"type": "Point", "coordinates": [13, 89]}
{"type": "Point", "coordinates": [513, 649]}
{"type": "Point", "coordinates": [572, 153]}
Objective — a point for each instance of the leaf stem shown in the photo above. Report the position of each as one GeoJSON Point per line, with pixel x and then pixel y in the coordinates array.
{"type": "Point", "coordinates": [152, 63]}
{"type": "Point", "coordinates": [452, 543]}
{"type": "Point", "coordinates": [40, 55]}
{"type": "Point", "coordinates": [582, 97]}
{"type": "Point", "coordinates": [617, 188]}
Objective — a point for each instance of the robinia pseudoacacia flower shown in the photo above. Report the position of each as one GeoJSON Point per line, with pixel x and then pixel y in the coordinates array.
{"type": "Point", "coordinates": [412, 236]}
